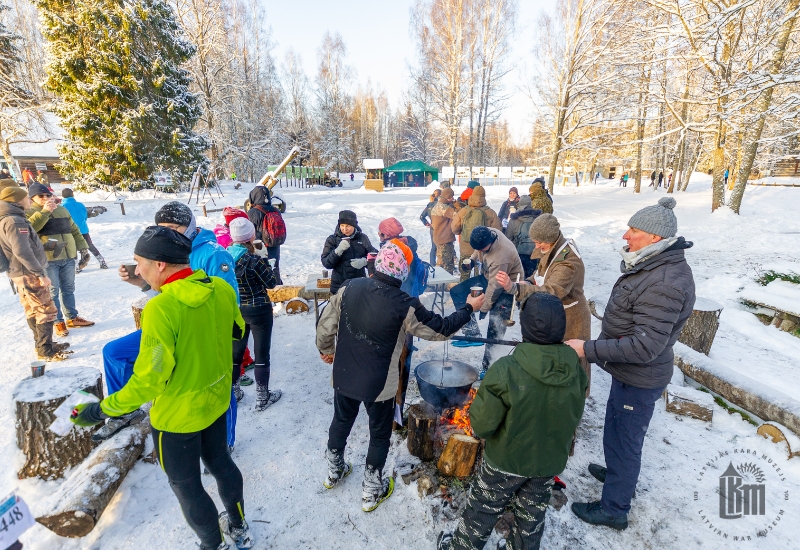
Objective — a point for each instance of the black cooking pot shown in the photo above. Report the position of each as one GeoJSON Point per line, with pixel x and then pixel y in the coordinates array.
{"type": "Point", "coordinates": [445, 384]}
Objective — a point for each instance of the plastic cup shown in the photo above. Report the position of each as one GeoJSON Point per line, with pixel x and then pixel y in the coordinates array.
{"type": "Point", "coordinates": [37, 368]}
{"type": "Point", "coordinates": [325, 274]}
{"type": "Point", "coordinates": [475, 291]}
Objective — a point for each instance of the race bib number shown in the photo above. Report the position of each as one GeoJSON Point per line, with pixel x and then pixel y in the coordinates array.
{"type": "Point", "coordinates": [15, 519]}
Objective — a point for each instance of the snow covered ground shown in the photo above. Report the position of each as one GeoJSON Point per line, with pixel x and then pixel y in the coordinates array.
{"type": "Point", "coordinates": [280, 451]}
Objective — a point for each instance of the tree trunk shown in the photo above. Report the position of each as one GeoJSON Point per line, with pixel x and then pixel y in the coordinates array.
{"type": "Point", "coordinates": [700, 329]}
{"type": "Point", "coordinates": [76, 506]}
{"type": "Point", "coordinates": [753, 132]}
{"type": "Point", "coordinates": [422, 420]}
{"type": "Point", "coordinates": [556, 144]}
{"type": "Point", "coordinates": [48, 455]}
{"type": "Point", "coordinates": [458, 457]}
{"type": "Point", "coordinates": [718, 157]}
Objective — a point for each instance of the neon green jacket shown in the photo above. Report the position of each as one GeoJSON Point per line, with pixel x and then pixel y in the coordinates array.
{"type": "Point", "coordinates": [184, 362]}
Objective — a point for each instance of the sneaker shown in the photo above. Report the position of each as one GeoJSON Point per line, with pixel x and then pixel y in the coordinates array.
{"type": "Point", "coordinates": [242, 537]}
{"type": "Point", "coordinates": [266, 398]}
{"type": "Point", "coordinates": [79, 322]}
{"type": "Point", "coordinates": [375, 488]}
{"type": "Point", "coordinates": [56, 356]}
{"type": "Point", "coordinates": [238, 391]}
{"type": "Point", "coordinates": [444, 540]}
{"type": "Point", "coordinates": [245, 380]}
{"type": "Point", "coordinates": [115, 424]}
{"type": "Point", "coordinates": [338, 469]}
{"type": "Point", "coordinates": [103, 264]}
{"type": "Point", "coordinates": [593, 513]}
{"type": "Point", "coordinates": [61, 329]}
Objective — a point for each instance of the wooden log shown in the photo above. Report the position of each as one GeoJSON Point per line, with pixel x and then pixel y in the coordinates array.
{"type": "Point", "coordinates": [689, 402]}
{"type": "Point", "coordinates": [284, 293]}
{"type": "Point", "coordinates": [76, 506]}
{"type": "Point", "coordinates": [137, 307]}
{"type": "Point", "coordinates": [781, 434]}
{"type": "Point", "coordinates": [296, 305]}
{"type": "Point", "coordinates": [48, 455]}
{"type": "Point", "coordinates": [310, 295]}
{"type": "Point", "coordinates": [763, 401]}
{"type": "Point", "coordinates": [701, 328]}
{"type": "Point", "coordinates": [421, 427]}
{"type": "Point", "coordinates": [458, 457]}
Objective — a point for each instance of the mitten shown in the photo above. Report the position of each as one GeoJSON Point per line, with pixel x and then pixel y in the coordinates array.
{"type": "Point", "coordinates": [343, 245]}
{"type": "Point", "coordinates": [359, 263]}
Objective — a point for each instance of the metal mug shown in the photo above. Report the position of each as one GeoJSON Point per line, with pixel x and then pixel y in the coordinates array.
{"type": "Point", "coordinates": [37, 368]}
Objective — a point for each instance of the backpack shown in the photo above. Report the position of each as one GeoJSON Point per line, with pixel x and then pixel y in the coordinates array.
{"type": "Point", "coordinates": [525, 245]}
{"type": "Point", "coordinates": [273, 228]}
{"type": "Point", "coordinates": [474, 218]}
{"type": "Point", "coordinates": [417, 280]}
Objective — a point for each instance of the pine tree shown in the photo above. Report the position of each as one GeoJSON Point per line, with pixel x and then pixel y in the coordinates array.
{"type": "Point", "coordinates": [124, 100]}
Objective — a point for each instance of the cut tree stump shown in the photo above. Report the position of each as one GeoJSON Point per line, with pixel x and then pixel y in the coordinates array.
{"type": "Point", "coordinates": [76, 506]}
{"type": "Point", "coordinates": [701, 328]}
{"type": "Point", "coordinates": [458, 457]}
{"type": "Point", "coordinates": [421, 427]}
{"type": "Point", "coordinates": [48, 455]}
{"type": "Point", "coordinates": [689, 402]}
{"type": "Point", "coordinates": [296, 305]}
{"type": "Point", "coordinates": [778, 433]}
{"type": "Point", "coordinates": [137, 307]}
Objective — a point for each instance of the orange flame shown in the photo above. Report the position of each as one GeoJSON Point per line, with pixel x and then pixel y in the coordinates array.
{"type": "Point", "coordinates": [459, 417]}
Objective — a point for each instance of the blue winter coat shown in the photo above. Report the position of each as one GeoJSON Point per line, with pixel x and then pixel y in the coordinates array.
{"type": "Point", "coordinates": [78, 213]}
{"type": "Point", "coordinates": [213, 259]}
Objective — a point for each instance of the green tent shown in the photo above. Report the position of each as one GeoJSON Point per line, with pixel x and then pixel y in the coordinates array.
{"type": "Point", "coordinates": [410, 173]}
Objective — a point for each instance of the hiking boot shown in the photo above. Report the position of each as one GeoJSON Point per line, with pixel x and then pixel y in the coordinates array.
{"type": "Point", "coordinates": [115, 424]}
{"type": "Point", "coordinates": [245, 380]}
{"type": "Point", "coordinates": [103, 264]}
{"type": "Point", "coordinates": [61, 329]}
{"type": "Point", "coordinates": [266, 398]}
{"type": "Point", "coordinates": [375, 488]}
{"type": "Point", "coordinates": [599, 473]}
{"type": "Point", "coordinates": [593, 513]}
{"type": "Point", "coordinates": [60, 346]}
{"type": "Point", "coordinates": [238, 391]}
{"type": "Point", "coordinates": [242, 537]}
{"type": "Point", "coordinates": [78, 322]}
{"type": "Point", "coordinates": [56, 356]}
{"type": "Point", "coordinates": [338, 469]}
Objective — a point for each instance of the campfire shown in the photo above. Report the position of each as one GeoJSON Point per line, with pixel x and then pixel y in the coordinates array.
{"type": "Point", "coordinates": [458, 417]}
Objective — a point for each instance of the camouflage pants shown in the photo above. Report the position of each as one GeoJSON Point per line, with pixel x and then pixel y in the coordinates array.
{"type": "Point", "coordinates": [488, 496]}
{"type": "Point", "coordinates": [446, 256]}
{"type": "Point", "coordinates": [466, 275]}
{"type": "Point", "coordinates": [35, 299]}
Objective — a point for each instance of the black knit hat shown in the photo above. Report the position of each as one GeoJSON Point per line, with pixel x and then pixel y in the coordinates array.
{"type": "Point", "coordinates": [175, 212]}
{"type": "Point", "coordinates": [348, 217]}
{"type": "Point", "coordinates": [481, 237]}
{"type": "Point", "coordinates": [162, 244]}
{"type": "Point", "coordinates": [38, 189]}
{"type": "Point", "coordinates": [543, 319]}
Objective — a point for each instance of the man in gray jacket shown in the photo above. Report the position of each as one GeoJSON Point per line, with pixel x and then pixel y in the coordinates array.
{"type": "Point", "coordinates": [27, 265]}
{"type": "Point", "coordinates": [648, 308]}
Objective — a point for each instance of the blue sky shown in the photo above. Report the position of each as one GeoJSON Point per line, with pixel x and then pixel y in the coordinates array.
{"type": "Point", "coordinates": [379, 45]}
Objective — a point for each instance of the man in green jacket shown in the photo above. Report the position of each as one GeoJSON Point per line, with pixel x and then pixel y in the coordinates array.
{"type": "Point", "coordinates": [62, 241]}
{"type": "Point", "coordinates": [184, 368]}
{"type": "Point", "coordinates": [526, 409]}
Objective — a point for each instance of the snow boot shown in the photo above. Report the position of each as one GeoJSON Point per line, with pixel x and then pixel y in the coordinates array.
{"type": "Point", "coordinates": [599, 473]}
{"type": "Point", "coordinates": [375, 488]}
{"type": "Point", "coordinates": [242, 537]}
{"type": "Point", "coordinates": [266, 398]}
{"type": "Point", "coordinates": [593, 513]}
{"type": "Point", "coordinates": [238, 391]}
{"type": "Point", "coordinates": [103, 264]}
{"type": "Point", "coordinates": [338, 469]}
{"type": "Point", "coordinates": [115, 424]}
{"type": "Point", "coordinates": [245, 380]}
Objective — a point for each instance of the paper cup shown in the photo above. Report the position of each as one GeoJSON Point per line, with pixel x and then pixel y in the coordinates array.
{"type": "Point", "coordinates": [475, 291]}
{"type": "Point", "coordinates": [37, 368]}
{"type": "Point", "coordinates": [131, 269]}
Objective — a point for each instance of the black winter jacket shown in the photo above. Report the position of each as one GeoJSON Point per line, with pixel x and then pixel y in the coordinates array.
{"type": "Point", "coordinates": [646, 312]}
{"type": "Point", "coordinates": [505, 209]}
{"type": "Point", "coordinates": [340, 265]}
{"type": "Point", "coordinates": [365, 325]}
{"type": "Point", "coordinates": [518, 227]}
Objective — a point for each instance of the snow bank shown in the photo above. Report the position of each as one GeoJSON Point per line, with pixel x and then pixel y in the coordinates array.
{"type": "Point", "coordinates": [778, 294]}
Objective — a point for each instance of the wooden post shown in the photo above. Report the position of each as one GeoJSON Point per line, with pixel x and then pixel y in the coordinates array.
{"type": "Point", "coordinates": [76, 506]}
{"type": "Point", "coordinates": [421, 427]}
{"type": "Point", "coordinates": [203, 206]}
{"type": "Point", "coordinates": [458, 457]}
{"type": "Point", "coordinates": [48, 455]}
{"type": "Point", "coordinates": [700, 329]}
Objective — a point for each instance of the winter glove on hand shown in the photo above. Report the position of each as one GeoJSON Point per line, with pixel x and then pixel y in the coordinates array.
{"type": "Point", "coordinates": [467, 265]}
{"type": "Point", "coordinates": [482, 316]}
{"type": "Point", "coordinates": [343, 245]}
{"type": "Point", "coordinates": [359, 263]}
{"type": "Point", "coordinates": [87, 414]}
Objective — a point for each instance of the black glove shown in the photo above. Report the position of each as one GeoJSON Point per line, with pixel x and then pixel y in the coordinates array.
{"type": "Point", "coordinates": [482, 316]}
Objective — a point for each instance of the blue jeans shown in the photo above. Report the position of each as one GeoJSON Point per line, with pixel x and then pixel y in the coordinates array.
{"type": "Point", "coordinates": [62, 277]}
{"type": "Point", "coordinates": [628, 413]}
{"type": "Point", "coordinates": [118, 358]}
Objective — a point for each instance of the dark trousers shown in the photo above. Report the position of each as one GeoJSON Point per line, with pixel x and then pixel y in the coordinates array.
{"type": "Point", "coordinates": [488, 497]}
{"type": "Point", "coordinates": [274, 252]}
{"type": "Point", "coordinates": [433, 250]}
{"type": "Point", "coordinates": [628, 414]}
{"type": "Point", "coordinates": [43, 337]}
{"type": "Point", "coordinates": [381, 413]}
{"type": "Point", "coordinates": [258, 320]}
{"type": "Point", "coordinates": [528, 265]}
{"type": "Point", "coordinates": [92, 247]}
{"type": "Point", "coordinates": [180, 455]}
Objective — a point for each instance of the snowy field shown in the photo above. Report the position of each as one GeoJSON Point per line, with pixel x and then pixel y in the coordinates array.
{"type": "Point", "coordinates": [280, 451]}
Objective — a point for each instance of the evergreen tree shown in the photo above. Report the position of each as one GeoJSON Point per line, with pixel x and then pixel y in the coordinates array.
{"type": "Point", "coordinates": [124, 101]}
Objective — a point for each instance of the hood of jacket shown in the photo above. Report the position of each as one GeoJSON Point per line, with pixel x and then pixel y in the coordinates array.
{"type": "Point", "coordinates": [237, 250]}
{"type": "Point", "coordinates": [68, 200]}
{"type": "Point", "coordinates": [533, 213]}
{"type": "Point", "coordinates": [203, 236]}
{"type": "Point", "coordinates": [260, 195]}
{"type": "Point", "coordinates": [478, 198]}
{"type": "Point", "coordinates": [11, 209]}
{"type": "Point", "coordinates": [672, 254]}
{"type": "Point", "coordinates": [546, 363]}
{"type": "Point", "coordinates": [193, 291]}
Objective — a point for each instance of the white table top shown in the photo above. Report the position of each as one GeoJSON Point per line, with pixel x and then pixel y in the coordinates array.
{"type": "Point", "coordinates": [442, 277]}
{"type": "Point", "coordinates": [311, 283]}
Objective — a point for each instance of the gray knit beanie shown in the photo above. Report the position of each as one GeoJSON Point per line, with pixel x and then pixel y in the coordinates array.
{"type": "Point", "coordinates": [545, 229]}
{"type": "Point", "coordinates": [657, 219]}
